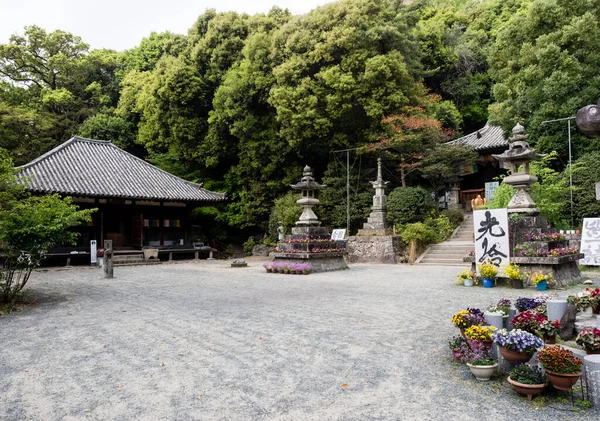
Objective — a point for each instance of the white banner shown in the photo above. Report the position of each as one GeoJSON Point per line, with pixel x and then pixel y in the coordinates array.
{"type": "Point", "coordinates": [93, 252]}
{"type": "Point", "coordinates": [490, 190]}
{"type": "Point", "coordinates": [491, 237]}
{"type": "Point", "coordinates": [590, 242]}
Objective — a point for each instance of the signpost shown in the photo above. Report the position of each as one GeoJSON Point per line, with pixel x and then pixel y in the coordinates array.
{"type": "Point", "coordinates": [590, 242]}
{"type": "Point", "coordinates": [491, 237]}
{"type": "Point", "coordinates": [490, 189]}
{"type": "Point", "coordinates": [338, 234]}
{"type": "Point", "coordinates": [93, 252]}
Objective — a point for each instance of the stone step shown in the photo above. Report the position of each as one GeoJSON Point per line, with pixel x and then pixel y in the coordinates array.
{"type": "Point", "coordinates": [446, 256]}
{"type": "Point", "coordinates": [450, 249]}
{"type": "Point", "coordinates": [443, 262]}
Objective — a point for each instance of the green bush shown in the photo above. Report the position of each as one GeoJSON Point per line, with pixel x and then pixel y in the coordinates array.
{"type": "Point", "coordinates": [406, 205]}
{"type": "Point", "coordinates": [455, 216]}
{"type": "Point", "coordinates": [248, 246]}
{"type": "Point", "coordinates": [586, 172]}
{"type": "Point", "coordinates": [420, 232]}
{"type": "Point", "coordinates": [503, 194]}
{"type": "Point", "coordinates": [442, 227]}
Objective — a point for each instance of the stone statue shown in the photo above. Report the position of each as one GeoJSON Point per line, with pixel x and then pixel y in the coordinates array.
{"type": "Point", "coordinates": [108, 259]}
{"type": "Point", "coordinates": [478, 202]}
{"type": "Point", "coordinates": [280, 231]}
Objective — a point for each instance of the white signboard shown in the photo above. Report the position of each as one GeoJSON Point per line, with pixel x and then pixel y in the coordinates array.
{"type": "Point", "coordinates": [338, 234]}
{"type": "Point", "coordinates": [490, 190]}
{"type": "Point", "coordinates": [590, 242]}
{"type": "Point", "coordinates": [597, 191]}
{"type": "Point", "coordinates": [491, 237]}
{"type": "Point", "coordinates": [93, 251]}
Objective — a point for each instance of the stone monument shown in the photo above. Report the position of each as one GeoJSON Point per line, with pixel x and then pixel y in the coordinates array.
{"type": "Point", "coordinates": [375, 242]}
{"type": "Point", "coordinates": [310, 242]}
{"type": "Point", "coordinates": [376, 223]}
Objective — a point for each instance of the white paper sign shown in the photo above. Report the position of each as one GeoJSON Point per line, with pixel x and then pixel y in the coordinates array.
{"type": "Point", "coordinates": [338, 234]}
{"type": "Point", "coordinates": [590, 242]}
{"type": "Point", "coordinates": [93, 252]}
{"type": "Point", "coordinates": [491, 237]}
{"type": "Point", "coordinates": [490, 190]}
{"type": "Point", "coordinates": [597, 191]}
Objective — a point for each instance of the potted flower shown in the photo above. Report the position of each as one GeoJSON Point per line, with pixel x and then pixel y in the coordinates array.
{"type": "Point", "coordinates": [524, 303]}
{"type": "Point", "coordinates": [480, 333]}
{"type": "Point", "coordinates": [549, 330]}
{"type": "Point", "coordinates": [275, 267]}
{"type": "Point", "coordinates": [540, 280]}
{"type": "Point", "coordinates": [488, 272]}
{"type": "Point", "coordinates": [529, 321]}
{"type": "Point", "coordinates": [467, 277]}
{"type": "Point", "coordinates": [589, 339]}
{"type": "Point", "coordinates": [502, 306]}
{"type": "Point", "coordinates": [467, 318]}
{"type": "Point", "coordinates": [562, 367]}
{"type": "Point", "coordinates": [527, 380]}
{"type": "Point", "coordinates": [581, 300]}
{"type": "Point", "coordinates": [481, 361]}
{"type": "Point", "coordinates": [514, 274]}
{"type": "Point", "coordinates": [594, 300]}
{"type": "Point", "coordinates": [267, 267]}
{"type": "Point", "coordinates": [517, 346]}
{"type": "Point", "coordinates": [460, 348]}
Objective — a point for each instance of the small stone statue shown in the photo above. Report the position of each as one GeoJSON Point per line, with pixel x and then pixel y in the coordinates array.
{"type": "Point", "coordinates": [478, 202]}
{"type": "Point", "coordinates": [280, 231]}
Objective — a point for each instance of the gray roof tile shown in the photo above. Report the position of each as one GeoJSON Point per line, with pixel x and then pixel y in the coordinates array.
{"type": "Point", "coordinates": [97, 168]}
{"type": "Point", "coordinates": [490, 137]}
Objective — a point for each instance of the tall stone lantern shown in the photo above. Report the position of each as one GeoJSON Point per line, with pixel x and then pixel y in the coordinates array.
{"type": "Point", "coordinates": [309, 187]}
{"type": "Point", "coordinates": [518, 156]}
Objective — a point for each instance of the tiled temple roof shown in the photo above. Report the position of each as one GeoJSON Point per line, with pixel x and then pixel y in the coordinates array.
{"type": "Point", "coordinates": [487, 138]}
{"type": "Point", "coordinates": [97, 168]}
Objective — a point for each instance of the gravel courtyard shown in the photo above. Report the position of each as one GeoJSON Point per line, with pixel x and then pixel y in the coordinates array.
{"type": "Point", "coordinates": [202, 341]}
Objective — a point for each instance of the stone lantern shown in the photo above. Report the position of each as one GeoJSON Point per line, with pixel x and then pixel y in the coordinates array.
{"type": "Point", "coordinates": [518, 156]}
{"type": "Point", "coordinates": [309, 187]}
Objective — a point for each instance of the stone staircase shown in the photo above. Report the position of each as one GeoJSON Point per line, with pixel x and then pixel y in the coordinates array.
{"type": "Point", "coordinates": [452, 251]}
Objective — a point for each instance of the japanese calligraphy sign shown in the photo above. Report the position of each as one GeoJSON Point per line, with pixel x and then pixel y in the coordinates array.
{"type": "Point", "coordinates": [491, 236]}
{"type": "Point", "coordinates": [590, 242]}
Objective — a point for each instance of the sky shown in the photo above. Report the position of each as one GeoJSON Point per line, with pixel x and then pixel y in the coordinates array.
{"type": "Point", "coordinates": [120, 25]}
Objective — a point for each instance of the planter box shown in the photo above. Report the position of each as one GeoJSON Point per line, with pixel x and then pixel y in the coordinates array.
{"type": "Point", "coordinates": [558, 260]}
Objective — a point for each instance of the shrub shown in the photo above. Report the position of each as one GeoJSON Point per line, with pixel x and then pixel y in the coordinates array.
{"type": "Point", "coordinates": [248, 246]}
{"type": "Point", "coordinates": [418, 231]}
{"type": "Point", "coordinates": [408, 204]}
{"type": "Point", "coordinates": [455, 216]}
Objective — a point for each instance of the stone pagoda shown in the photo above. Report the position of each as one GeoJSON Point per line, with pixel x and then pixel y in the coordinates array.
{"type": "Point", "coordinates": [530, 230]}
{"type": "Point", "coordinates": [375, 242]}
{"type": "Point", "coordinates": [376, 223]}
{"type": "Point", "coordinates": [310, 242]}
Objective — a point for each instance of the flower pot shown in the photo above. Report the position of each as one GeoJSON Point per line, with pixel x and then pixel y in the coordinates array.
{"type": "Point", "coordinates": [592, 351]}
{"type": "Point", "coordinates": [515, 357]}
{"type": "Point", "coordinates": [517, 283]}
{"type": "Point", "coordinates": [483, 372]}
{"type": "Point", "coordinates": [462, 332]}
{"type": "Point", "coordinates": [468, 282]}
{"type": "Point", "coordinates": [488, 282]}
{"type": "Point", "coordinates": [562, 381]}
{"type": "Point", "coordinates": [542, 286]}
{"type": "Point", "coordinates": [596, 309]}
{"type": "Point", "coordinates": [529, 390]}
{"type": "Point", "coordinates": [550, 340]}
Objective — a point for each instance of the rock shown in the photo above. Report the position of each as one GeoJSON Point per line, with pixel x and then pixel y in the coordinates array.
{"type": "Point", "coordinates": [261, 250]}
{"type": "Point", "coordinates": [239, 263]}
{"type": "Point", "coordinates": [567, 331]}
{"type": "Point", "coordinates": [588, 282]}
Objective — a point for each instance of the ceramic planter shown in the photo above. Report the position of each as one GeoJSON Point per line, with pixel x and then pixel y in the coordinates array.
{"type": "Point", "coordinates": [529, 390]}
{"type": "Point", "coordinates": [488, 282]}
{"type": "Point", "coordinates": [562, 381]}
{"type": "Point", "coordinates": [550, 340]}
{"type": "Point", "coordinates": [515, 357]}
{"type": "Point", "coordinates": [592, 351]}
{"type": "Point", "coordinates": [483, 372]}
{"type": "Point", "coordinates": [468, 282]}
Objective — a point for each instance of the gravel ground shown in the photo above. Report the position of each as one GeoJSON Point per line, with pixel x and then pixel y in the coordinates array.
{"type": "Point", "coordinates": [203, 341]}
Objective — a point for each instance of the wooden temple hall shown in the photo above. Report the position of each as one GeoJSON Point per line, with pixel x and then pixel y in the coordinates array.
{"type": "Point", "coordinates": [139, 205]}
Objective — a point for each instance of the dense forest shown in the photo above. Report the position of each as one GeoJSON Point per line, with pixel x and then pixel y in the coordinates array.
{"type": "Point", "coordinates": [242, 103]}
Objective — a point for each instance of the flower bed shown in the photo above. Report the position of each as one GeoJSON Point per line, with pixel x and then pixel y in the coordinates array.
{"type": "Point", "coordinates": [546, 236]}
{"type": "Point", "coordinates": [540, 252]}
